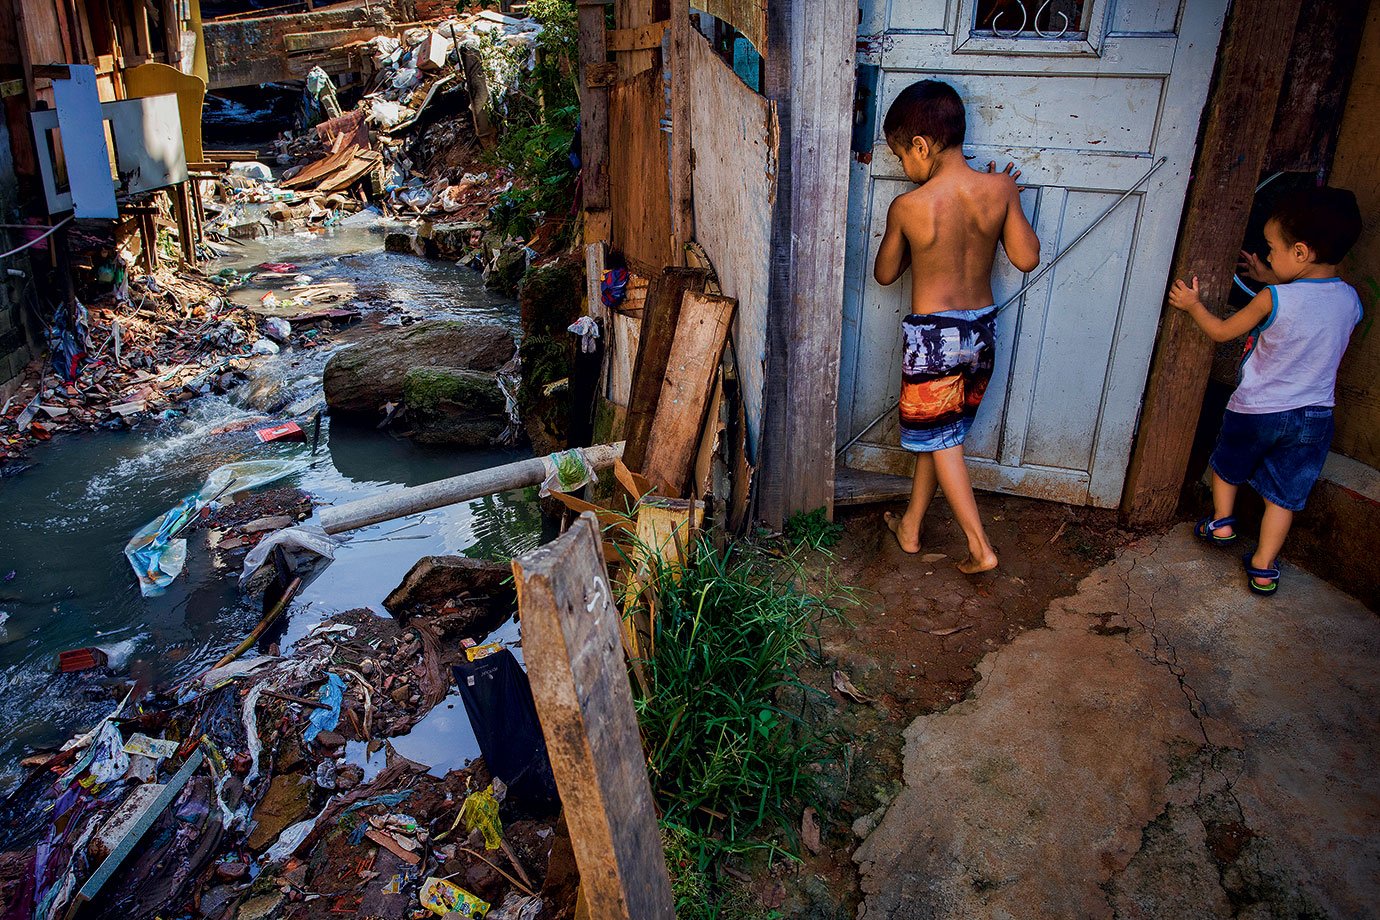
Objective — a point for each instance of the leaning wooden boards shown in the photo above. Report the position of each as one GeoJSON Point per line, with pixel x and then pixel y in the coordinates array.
{"type": "Point", "coordinates": [701, 330]}
{"type": "Point", "coordinates": [574, 655]}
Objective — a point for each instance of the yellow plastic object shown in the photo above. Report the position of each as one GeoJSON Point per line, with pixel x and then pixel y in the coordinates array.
{"type": "Point", "coordinates": [480, 810]}
{"type": "Point", "coordinates": [442, 897]}
{"type": "Point", "coordinates": [483, 651]}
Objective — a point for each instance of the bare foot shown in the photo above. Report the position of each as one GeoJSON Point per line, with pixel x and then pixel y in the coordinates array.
{"type": "Point", "coordinates": [893, 523]}
{"type": "Point", "coordinates": [976, 564]}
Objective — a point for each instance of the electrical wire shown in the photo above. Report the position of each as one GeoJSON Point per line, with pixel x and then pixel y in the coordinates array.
{"type": "Point", "coordinates": [38, 239]}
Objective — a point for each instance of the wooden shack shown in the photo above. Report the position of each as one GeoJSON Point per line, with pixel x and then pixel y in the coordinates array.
{"type": "Point", "coordinates": [744, 137]}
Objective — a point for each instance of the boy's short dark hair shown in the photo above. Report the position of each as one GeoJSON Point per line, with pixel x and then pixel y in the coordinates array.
{"type": "Point", "coordinates": [929, 109]}
{"type": "Point", "coordinates": [1326, 220]}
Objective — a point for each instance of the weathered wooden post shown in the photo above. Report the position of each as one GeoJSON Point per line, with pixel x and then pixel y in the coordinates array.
{"type": "Point", "coordinates": [574, 655]}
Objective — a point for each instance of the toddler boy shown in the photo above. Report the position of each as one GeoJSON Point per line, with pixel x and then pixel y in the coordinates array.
{"type": "Point", "coordinates": [946, 230]}
{"type": "Point", "coordinates": [1278, 424]}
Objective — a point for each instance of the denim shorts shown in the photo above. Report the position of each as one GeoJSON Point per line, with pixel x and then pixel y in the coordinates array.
{"type": "Point", "coordinates": [1280, 454]}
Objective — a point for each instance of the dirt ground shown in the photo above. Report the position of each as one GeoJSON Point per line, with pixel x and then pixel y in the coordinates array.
{"type": "Point", "coordinates": [913, 643]}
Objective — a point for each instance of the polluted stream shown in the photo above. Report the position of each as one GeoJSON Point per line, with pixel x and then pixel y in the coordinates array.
{"type": "Point", "coordinates": [65, 582]}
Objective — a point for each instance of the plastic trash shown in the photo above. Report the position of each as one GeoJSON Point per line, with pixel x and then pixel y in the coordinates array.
{"type": "Point", "coordinates": [387, 113]}
{"type": "Point", "coordinates": [306, 536]}
{"type": "Point", "coordinates": [566, 471]}
{"type": "Point", "coordinates": [265, 346]}
{"type": "Point", "coordinates": [278, 328]}
{"type": "Point", "coordinates": [251, 169]}
{"type": "Point", "coordinates": [290, 839]}
{"type": "Point", "coordinates": [234, 478]}
{"type": "Point", "coordinates": [588, 331]}
{"type": "Point", "coordinates": [324, 720]}
{"type": "Point", "coordinates": [406, 78]}
{"type": "Point", "coordinates": [480, 811]}
{"type": "Point", "coordinates": [448, 899]}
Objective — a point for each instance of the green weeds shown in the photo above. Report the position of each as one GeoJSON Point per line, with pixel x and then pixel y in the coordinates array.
{"type": "Point", "coordinates": [731, 751]}
{"type": "Point", "coordinates": [813, 529]}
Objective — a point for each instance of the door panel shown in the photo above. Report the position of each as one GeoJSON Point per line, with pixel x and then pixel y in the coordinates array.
{"type": "Point", "coordinates": [1085, 115]}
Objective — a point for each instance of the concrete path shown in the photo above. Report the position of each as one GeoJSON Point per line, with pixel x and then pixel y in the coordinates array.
{"type": "Point", "coordinates": [1170, 746]}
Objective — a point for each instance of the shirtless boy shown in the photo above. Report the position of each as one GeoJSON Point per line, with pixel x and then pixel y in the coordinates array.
{"type": "Point", "coordinates": [946, 230]}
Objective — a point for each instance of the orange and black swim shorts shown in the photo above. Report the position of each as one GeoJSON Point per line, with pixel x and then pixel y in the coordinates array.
{"type": "Point", "coordinates": [948, 363]}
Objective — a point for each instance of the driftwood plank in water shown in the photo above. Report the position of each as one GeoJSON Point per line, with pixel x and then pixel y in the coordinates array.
{"type": "Point", "coordinates": [659, 319]}
{"type": "Point", "coordinates": [638, 172]}
{"type": "Point", "coordinates": [570, 639]}
{"type": "Point", "coordinates": [701, 331]}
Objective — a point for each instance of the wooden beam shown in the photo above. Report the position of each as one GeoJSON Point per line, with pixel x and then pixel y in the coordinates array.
{"type": "Point", "coordinates": [639, 38]}
{"type": "Point", "coordinates": [682, 153]}
{"type": "Point", "coordinates": [594, 111]}
{"type": "Point", "coordinates": [172, 33]}
{"type": "Point", "coordinates": [630, 14]}
{"type": "Point", "coordinates": [1240, 110]}
{"type": "Point", "coordinates": [186, 228]}
{"type": "Point", "coordinates": [686, 385]}
{"type": "Point", "coordinates": [573, 650]}
{"type": "Point", "coordinates": [659, 319]}
{"type": "Point", "coordinates": [810, 78]}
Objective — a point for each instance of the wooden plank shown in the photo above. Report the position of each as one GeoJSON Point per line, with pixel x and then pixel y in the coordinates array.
{"type": "Point", "coordinates": [594, 111]}
{"type": "Point", "coordinates": [747, 16]}
{"type": "Point", "coordinates": [735, 142]}
{"type": "Point", "coordinates": [638, 171]}
{"type": "Point", "coordinates": [141, 827]}
{"type": "Point", "coordinates": [172, 33]}
{"type": "Point", "coordinates": [686, 386]}
{"type": "Point", "coordinates": [659, 319]}
{"type": "Point", "coordinates": [571, 643]}
{"type": "Point", "coordinates": [625, 331]}
{"type": "Point", "coordinates": [1250, 71]}
{"type": "Point", "coordinates": [682, 89]}
{"type": "Point", "coordinates": [810, 77]}
{"type": "Point", "coordinates": [1322, 58]}
{"type": "Point", "coordinates": [629, 14]}
{"type": "Point", "coordinates": [299, 42]}
{"type": "Point", "coordinates": [1357, 167]}
{"type": "Point", "coordinates": [186, 233]}
{"type": "Point", "coordinates": [638, 38]}
{"type": "Point", "coordinates": [600, 75]}
{"type": "Point", "coordinates": [859, 487]}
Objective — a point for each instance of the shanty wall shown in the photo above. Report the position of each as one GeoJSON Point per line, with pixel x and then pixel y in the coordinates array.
{"type": "Point", "coordinates": [1357, 167]}
{"type": "Point", "coordinates": [734, 135]}
{"type": "Point", "coordinates": [14, 337]}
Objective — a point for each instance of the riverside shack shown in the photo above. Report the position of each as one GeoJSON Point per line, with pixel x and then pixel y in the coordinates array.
{"type": "Point", "coordinates": [744, 137]}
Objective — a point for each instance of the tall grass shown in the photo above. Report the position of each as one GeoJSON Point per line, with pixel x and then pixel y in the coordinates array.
{"type": "Point", "coordinates": [730, 752]}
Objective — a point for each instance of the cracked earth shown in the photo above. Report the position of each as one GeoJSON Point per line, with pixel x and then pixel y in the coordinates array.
{"type": "Point", "coordinates": [1160, 743]}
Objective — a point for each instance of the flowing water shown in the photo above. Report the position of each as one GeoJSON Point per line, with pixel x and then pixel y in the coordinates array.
{"type": "Point", "coordinates": [66, 520]}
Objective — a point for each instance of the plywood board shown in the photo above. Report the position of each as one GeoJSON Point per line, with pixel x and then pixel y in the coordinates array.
{"type": "Point", "coordinates": [735, 138]}
{"type": "Point", "coordinates": [190, 90]}
{"type": "Point", "coordinates": [83, 143]}
{"type": "Point", "coordinates": [640, 189]}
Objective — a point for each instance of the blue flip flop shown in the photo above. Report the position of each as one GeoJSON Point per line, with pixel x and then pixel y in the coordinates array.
{"type": "Point", "coordinates": [1252, 573]}
{"type": "Point", "coordinates": [1203, 530]}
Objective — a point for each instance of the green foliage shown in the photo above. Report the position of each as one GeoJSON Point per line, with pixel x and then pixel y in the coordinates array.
{"type": "Point", "coordinates": [694, 895]}
{"type": "Point", "coordinates": [537, 112]}
{"type": "Point", "coordinates": [723, 718]}
{"type": "Point", "coordinates": [813, 529]}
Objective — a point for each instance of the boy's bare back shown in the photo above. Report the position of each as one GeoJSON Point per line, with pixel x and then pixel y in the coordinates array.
{"type": "Point", "coordinates": [947, 231]}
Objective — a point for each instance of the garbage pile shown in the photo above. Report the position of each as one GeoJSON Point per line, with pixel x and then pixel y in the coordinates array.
{"type": "Point", "coordinates": [269, 788]}
{"type": "Point", "coordinates": [154, 342]}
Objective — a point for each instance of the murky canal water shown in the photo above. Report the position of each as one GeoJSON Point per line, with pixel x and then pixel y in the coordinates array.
{"type": "Point", "coordinates": [65, 522]}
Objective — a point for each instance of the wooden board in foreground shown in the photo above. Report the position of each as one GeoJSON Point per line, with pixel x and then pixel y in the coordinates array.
{"type": "Point", "coordinates": [570, 640]}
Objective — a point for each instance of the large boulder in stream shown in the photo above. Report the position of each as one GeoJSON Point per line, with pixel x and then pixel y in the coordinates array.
{"type": "Point", "coordinates": [462, 598]}
{"type": "Point", "coordinates": [359, 380]}
{"type": "Point", "coordinates": [451, 405]}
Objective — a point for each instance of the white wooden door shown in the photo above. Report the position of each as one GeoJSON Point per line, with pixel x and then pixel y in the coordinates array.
{"type": "Point", "coordinates": [1085, 110]}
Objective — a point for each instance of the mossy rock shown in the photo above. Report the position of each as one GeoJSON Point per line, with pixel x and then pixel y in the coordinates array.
{"type": "Point", "coordinates": [551, 297]}
{"type": "Point", "coordinates": [507, 271]}
{"type": "Point", "coordinates": [363, 377]}
{"type": "Point", "coordinates": [398, 241]}
{"type": "Point", "coordinates": [451, 405]}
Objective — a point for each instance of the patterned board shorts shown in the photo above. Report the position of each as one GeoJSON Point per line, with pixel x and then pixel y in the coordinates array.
{"type": "Point", "coordinates": [948, 363]}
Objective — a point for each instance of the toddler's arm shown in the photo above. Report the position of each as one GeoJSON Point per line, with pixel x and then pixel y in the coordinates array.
{"type": "Point", "coordinates": [893, 256]}
{"type": "Point", "coordinates": [1185, 297]}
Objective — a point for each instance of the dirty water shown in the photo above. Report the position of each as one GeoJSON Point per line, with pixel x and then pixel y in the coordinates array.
{"type": "Point", "coordinates": [67, 519]}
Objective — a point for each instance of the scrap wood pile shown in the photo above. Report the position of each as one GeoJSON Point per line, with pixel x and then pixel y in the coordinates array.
{"type": "Point", "coordinates": [255, 790]}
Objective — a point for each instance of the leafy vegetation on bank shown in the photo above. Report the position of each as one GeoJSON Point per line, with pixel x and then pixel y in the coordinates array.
{"type": "Point", "coordinates": [731, 751]}
{"type": "Point", "coordinates": [538, 118]}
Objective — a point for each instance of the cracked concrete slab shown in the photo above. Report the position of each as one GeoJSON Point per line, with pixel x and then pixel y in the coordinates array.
{"type": "Point", "coordinates": [1168, 746]}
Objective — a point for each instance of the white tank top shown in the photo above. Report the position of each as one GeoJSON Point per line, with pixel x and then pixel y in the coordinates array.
{"type": "Point", "coordinates": [1291, 359]}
